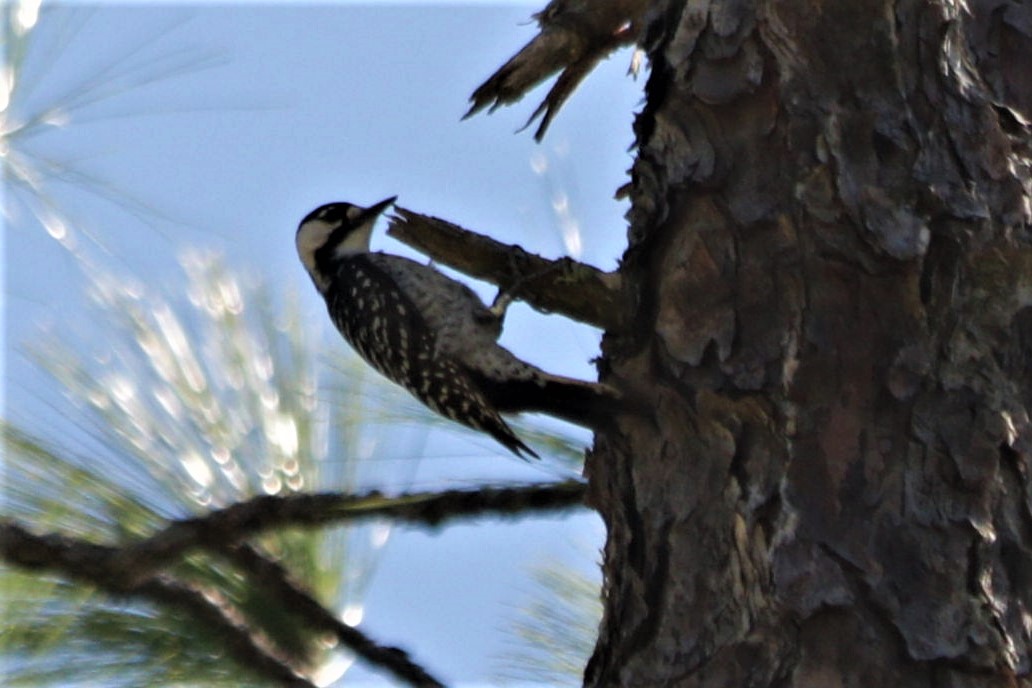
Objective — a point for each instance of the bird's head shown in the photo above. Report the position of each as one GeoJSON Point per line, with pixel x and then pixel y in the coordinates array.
{"type": "Point", "coordinates": [332, 231]}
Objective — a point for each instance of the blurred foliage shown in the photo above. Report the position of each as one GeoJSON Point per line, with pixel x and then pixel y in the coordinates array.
{"type": "Point", "coordinates": [554, 630]}
{"type": "Point", "coordinates": [179, 400]}
{"type": "Point", "coordinates": [179, 407]}
{"type": "Point", "coordinates": [36, 101]}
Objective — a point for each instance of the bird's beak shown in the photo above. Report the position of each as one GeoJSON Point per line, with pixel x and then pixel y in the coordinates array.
{"type": "Point", "coordinates": [375, 210]}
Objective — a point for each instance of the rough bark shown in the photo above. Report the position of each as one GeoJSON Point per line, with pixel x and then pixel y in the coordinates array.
{"type": "Point", "coordinates": [831, 253]}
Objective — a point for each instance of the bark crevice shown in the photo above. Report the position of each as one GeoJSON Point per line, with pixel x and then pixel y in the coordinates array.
{"type": "Point", "coordinates": [830, 235]}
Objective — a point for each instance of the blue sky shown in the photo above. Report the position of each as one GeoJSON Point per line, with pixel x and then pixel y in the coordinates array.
{"type": "Point", "coordinates": [222, 125]}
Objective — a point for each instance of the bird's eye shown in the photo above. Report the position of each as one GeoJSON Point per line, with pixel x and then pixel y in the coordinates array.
{"type": "Point", "coordinates": [353, 212]}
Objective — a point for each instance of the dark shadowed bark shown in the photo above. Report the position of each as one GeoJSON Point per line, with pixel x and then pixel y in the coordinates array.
{"type": "Point", "coordinates": [831, 263]}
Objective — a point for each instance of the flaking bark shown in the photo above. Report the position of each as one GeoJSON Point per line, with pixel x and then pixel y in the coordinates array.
{"type": "Point", "coordinates": [831, 238]}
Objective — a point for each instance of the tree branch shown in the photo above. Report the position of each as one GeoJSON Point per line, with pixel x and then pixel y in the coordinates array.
{"type": "Point", "coordinates": [564, 286]}
{"type": "Point", "coordinates": [244, 519]}
{"type": "Point", "coordinates": [130, 570]}
{"type": "Point", "coordinates": [277, 580]}
{"type": "Point", "coordinates": [97, 564]}
{"type": "Point", "coordinates": [575, 36]}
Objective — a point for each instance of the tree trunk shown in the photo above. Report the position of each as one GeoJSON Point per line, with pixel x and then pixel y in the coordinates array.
{"type": "Point", "coordinates": [831, 265]}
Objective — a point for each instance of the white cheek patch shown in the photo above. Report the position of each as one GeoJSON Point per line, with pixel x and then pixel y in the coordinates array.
{"type": "Point", "coordinates": [311, 237]}
{"type": "Point", "coordinates": [355, 242]}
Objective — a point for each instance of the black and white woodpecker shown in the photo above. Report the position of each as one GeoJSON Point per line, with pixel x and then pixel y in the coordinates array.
{"type": "Point", "coordinates": [431, 334]}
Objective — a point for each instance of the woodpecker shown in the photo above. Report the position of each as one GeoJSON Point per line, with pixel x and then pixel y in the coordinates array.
{"type": "Point", "coordinates": [430, 334]}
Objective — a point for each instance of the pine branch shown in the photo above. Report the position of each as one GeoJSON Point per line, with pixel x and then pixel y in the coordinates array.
{"type": "Point", "coordinates": [277, 580]}
{"type": "Point", "coordinates": [131, 570]}
{"type": "Point", "coordinates": [245, 519]}
{"type": "Point", "coordinates": [575, 36]}
{"type": "Point", "coordinates": [98, 565]}
{"type": "Point", "coordinates": [575, 290]}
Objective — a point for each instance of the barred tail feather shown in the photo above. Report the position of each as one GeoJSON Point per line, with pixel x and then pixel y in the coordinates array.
{"type": "Point", "coordinates": [448, 390]}
{"type": "Point", "coordinates": [501, 431]}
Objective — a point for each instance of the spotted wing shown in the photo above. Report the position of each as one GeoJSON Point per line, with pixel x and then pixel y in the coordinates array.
{"type": "Point", "coordinates": [387, 329]}
{"type": "Point", "coordinates": [464, 328]}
